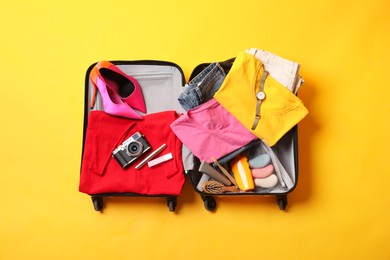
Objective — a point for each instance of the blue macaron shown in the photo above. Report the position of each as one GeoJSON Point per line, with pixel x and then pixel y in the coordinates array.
{"type": "Point", "coordinates": [259, 161]}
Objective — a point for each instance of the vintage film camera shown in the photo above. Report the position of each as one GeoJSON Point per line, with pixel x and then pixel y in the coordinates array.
{"type": "Point", "coordinates": [131, 149]}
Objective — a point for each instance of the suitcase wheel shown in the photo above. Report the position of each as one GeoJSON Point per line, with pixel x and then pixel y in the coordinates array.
{"type": "Point", "coordinates": [282, 201]}
{"type": "Point", "coordinates": [97, 203]}
{"type": "Point", "coordinates": [172, 203]}
{"type": "Point", "coordinates": [209, 203]}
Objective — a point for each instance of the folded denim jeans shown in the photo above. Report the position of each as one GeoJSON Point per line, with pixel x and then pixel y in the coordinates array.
{"type": "Point", "coordinates": [203, 87]}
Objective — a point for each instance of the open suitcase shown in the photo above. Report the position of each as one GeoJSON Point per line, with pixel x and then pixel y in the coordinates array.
{"type": "Point", "coordinates": [162, 84]}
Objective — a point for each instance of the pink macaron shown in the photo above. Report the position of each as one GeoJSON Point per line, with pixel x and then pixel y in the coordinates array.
{"type": "Point", "coordinates": [263, 172]}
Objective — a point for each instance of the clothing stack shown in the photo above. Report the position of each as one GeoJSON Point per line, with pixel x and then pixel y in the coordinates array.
{"type": "Point", "coordinates": [255, 101]}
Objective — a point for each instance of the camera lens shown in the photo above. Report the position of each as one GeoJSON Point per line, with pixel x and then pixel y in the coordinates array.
{"type": "Point", "coordinates": [134, 148]}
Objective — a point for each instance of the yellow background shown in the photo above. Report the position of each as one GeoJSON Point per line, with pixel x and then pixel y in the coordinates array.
{"type": "Point", "coordinates": [340, 209]}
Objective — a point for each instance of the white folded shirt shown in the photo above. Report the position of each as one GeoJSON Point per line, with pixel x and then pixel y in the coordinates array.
{"type": "Point", "coordinates": [286, 72]}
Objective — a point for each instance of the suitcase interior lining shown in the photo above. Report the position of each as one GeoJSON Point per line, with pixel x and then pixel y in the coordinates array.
{"type": "Point", "coordinates": [155, 82]}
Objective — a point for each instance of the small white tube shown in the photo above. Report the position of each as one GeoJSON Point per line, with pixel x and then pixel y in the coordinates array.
{"type": "Point", "coordinates": [160, 159]}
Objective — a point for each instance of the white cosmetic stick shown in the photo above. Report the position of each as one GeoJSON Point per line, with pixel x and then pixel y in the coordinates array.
{"type": "Point", "coordinates": [150, 156]}
{"type": "Point", "coordinates": [160, 159]}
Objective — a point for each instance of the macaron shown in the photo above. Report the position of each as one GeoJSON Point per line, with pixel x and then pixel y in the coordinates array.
{"type": "Point", "coordinates": [268, 182]}
{"type": "Point", "coordinates": [259, 161]}
{"type": "Point", "coordinates": [263, 172]}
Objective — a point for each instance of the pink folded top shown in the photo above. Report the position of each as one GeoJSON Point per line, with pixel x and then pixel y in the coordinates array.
{"type": "Point", "coordinates": [210, 130]}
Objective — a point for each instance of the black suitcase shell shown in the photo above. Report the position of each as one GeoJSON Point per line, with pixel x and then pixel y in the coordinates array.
{"type": "Point", "coordinates": [286, 149]}
{"type": "Point", "coordinates": [142, 67]}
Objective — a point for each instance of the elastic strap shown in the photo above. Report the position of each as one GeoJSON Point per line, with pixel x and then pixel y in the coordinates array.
{"type": "Point", "coordinates": [260, 97]}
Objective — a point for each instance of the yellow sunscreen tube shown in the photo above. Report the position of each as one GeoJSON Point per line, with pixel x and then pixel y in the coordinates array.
{"type": "Point", "coordinates": [242, 173]}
